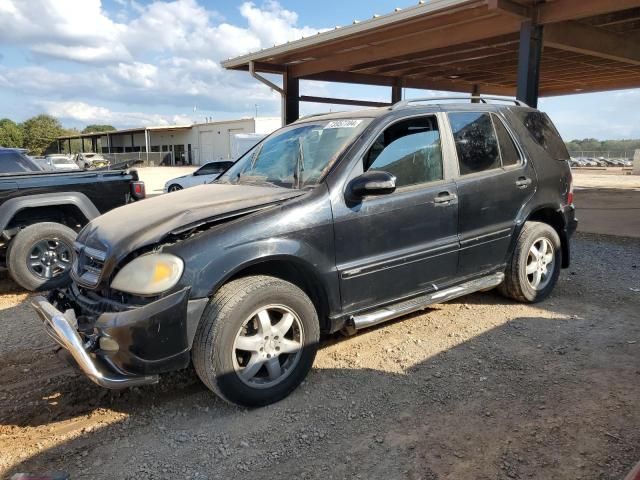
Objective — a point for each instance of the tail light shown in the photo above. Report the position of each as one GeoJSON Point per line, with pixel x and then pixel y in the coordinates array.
{"type": "Point", "coordinates": [138, 191]}
{"type": "Point", "coordinates": [570, 192]}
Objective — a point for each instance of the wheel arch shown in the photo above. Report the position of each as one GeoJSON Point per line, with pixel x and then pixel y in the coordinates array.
{"type": "Point", "coordinates": [72, 203]}
{"type": "Point", "coordinates": [551, 215]}
{"type": "Point", "coordinates": [292, 270]}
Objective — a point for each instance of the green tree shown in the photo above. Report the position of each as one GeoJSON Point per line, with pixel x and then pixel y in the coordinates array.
{"type": "Point", "coordinates": [95, 128]}
{"type": "Point", "coordinates": [11, 134]}
{"type": "Point", "coordinates": [40, 134]}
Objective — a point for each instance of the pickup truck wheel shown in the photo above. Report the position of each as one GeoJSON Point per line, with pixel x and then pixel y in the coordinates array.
{"type": "Point", "coordinates": [256, 340]}
{"type": "Point", "coordinates": [534, 268]}
{"type": "Point", "coordinates": [40, 256]}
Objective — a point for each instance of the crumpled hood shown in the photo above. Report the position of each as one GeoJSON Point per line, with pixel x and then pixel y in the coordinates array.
{"type": "Point", "coordinates": [125, 229]}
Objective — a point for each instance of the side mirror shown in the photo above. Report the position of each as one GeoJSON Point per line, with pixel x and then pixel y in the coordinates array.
{"type": "Point", "coordinates": [374, 182]}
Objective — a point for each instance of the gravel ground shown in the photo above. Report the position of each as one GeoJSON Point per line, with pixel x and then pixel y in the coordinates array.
{"type": "Point", "coordinates": [479, 388]}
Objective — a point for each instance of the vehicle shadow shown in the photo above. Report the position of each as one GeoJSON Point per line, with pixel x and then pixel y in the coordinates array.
{"type": "Point", "coordinates": [534, 397]}
{"type": "Point", "coordinates": [7, 285]}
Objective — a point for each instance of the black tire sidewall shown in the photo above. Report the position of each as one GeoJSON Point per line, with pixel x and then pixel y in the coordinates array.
{"type": "Point", "coordinates": [227, 381]}
{"type": "Point", "coordinates": [21, 246]}
{"type": "Point", "coordinates": [174, 187]}
{"type": "Point", "coordinates": [539, 231]}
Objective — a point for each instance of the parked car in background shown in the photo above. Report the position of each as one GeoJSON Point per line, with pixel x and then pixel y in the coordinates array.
{"type": "Point", "coordinates": [58, 162]}
{"type": "Point", "coordinates": [87, 161]}
{"type": "Point", "coordinates": [205, 174]}
{"type": "Point", "coordinates": [334, 222]}
{"type": "Point", "coordinates": [41, 211]}
{"type": "Point", "coordinates": [577, 162]}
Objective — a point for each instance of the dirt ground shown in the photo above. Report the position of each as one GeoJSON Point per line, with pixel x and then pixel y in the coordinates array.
{"type": "Point", "coordinates": [608, 202]}
{"type": "Point", "coordinates": [479, 388]}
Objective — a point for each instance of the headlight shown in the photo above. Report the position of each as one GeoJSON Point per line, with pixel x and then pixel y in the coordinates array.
{"type": "Point", "coordinates": [149, 274]}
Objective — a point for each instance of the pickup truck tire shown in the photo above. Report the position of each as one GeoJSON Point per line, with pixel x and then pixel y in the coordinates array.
{"type": "Point", "coordinates": [40, 256]}
{"type": "Point", "coordinates": [249, 357]}
{"type": "Point", "coordinates": [534, 268]}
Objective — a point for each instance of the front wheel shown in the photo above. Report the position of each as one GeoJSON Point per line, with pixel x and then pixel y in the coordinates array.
{"type": "Point", "coordinates": [256, 341]}
{"type": "Point", "coordinates": [40, 256]}
{"type": "Point", "coordinates": [174, 187]}
{"type": "Point", "coordinates": [534, 268]}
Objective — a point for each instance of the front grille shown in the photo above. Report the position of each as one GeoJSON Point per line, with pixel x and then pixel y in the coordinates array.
{"type": "Point", "coordinates": [89, 264]}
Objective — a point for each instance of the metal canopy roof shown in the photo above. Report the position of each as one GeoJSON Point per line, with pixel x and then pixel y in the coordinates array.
{"type": "Point", "coordinates": [471, 46]}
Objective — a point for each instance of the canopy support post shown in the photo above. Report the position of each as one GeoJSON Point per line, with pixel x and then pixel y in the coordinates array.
{"type": "Point", "coordinates": [529, 57]}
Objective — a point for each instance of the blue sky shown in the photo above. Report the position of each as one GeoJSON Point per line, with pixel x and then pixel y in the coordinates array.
{"type": "Point", "coordinates": [135, 62]}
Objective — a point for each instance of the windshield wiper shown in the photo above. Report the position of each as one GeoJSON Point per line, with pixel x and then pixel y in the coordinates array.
{"type": "Point", "coordinates": [297, 175]}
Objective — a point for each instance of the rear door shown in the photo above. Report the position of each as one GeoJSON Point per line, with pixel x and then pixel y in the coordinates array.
{"type": "Point", "coordinates": [395, 245]}
{"type": "Point", "coordinates": [494, 182]}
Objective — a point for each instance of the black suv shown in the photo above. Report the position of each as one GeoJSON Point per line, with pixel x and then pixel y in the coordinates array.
{"type": "Point", "coordinates": [336, 222]}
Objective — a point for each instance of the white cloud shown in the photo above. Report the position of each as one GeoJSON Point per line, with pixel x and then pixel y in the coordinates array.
{"type": "Point", "coordinates": [84, 113]}
{"type": "Point", "coordinates": [160, 55]}
{"type": "Point", "coordinates": [68, 29]}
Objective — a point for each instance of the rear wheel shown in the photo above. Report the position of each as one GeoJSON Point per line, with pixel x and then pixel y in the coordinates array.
{"type": "Point", "coordinates": [174, 187]}
{"type": "Point", "coordinates": [40, 256]}
{"type": "Point", "coordinates": [256, 341]}
{"type": "Point", "coordinates": [534, 268]}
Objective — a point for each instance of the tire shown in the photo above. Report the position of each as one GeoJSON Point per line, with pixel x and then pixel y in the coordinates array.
{"type": "Point", "coordinates": [233, 310]}
{"type": "Point", "coordinates": [174, 187]}
{"type": "Point", "coordinates": [520, 285]}
{"type": "Point", "coordinates": [31, 243]}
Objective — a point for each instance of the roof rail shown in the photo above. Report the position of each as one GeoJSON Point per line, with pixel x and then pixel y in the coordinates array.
{"type": "Point", "coordinates": [311, 115]}
{"type": "Point", "coordinates": [405, 103]}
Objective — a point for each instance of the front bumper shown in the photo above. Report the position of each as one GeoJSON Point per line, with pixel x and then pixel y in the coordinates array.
{"type": "Point", "coordinates": [62, 327]}
{"type": "Point", "coordinates": [150, 339]}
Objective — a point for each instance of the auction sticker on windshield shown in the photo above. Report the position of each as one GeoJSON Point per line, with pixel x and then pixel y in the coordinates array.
{"type": "Point", "coordinates": [343, 124]}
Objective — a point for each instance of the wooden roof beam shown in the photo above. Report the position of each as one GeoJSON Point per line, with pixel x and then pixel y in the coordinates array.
{"type": "Point", "coordinates": [580, 38]}
{"type": "Point", "coordinates": [454, 34]}
{"type": "Point", "coordinates": [423, 83]}
{"type": "Point", "coordinates": [562, 10]}
{"type": "Point", "coordinates": [510, 8]}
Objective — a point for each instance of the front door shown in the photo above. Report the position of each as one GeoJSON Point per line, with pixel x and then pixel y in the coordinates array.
{"type": "Point", "coordinates": [395, 245]}
{"type": "Point", "coordinates": [493, 185]}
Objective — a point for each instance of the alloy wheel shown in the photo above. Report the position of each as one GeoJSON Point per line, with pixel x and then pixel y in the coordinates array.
{"type": "Point", "coordinates": [268, 346]}
{"type": "Point", "coordinates": [540, 263]}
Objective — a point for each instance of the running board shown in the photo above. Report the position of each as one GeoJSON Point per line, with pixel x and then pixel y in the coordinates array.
{"type": "Point", "coordinates": [419, 303]}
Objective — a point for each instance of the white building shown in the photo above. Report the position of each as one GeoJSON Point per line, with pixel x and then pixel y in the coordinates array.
{"type": "Point", "coordinates": [184, 144]}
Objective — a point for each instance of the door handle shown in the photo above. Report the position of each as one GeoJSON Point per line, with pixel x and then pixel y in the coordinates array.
{"type": "Point", "coordinates": [523, 182]}
{"type": "Point", "coordinates": [445, 198]}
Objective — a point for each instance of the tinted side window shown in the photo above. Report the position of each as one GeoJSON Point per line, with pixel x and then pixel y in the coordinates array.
{"type": "Point", "coordinates": [545, 134]}
{"type": "Point", "coordinates": [210, 169]}
{"type": "Point", "coordinates": [476, 142]}
{"type": "Point", "coordinates": [410, 150]}
{"type": "Point", "coordinates": [15, 162]}
{"type": "Point", "coordinates": [508, 150]}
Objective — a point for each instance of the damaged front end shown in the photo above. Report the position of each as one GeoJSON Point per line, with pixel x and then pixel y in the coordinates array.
{"type": "Point", "coordinates": [120, 345]}
{"type": "Point", "coordinates": [128, 315]}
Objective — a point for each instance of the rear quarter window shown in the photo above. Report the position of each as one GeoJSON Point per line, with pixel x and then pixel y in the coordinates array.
{"type": "Point", "coordinates": [544, 132]}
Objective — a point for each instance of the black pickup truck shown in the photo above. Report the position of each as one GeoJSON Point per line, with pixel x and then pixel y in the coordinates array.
{"type": "Point", "coordinates": [41, 212]}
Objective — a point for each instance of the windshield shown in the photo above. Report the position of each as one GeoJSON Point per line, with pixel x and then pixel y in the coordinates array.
{"type": "Point", "coordinates": [297, 156]}
{"type": "Point", "coordinates": [62, 161]}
